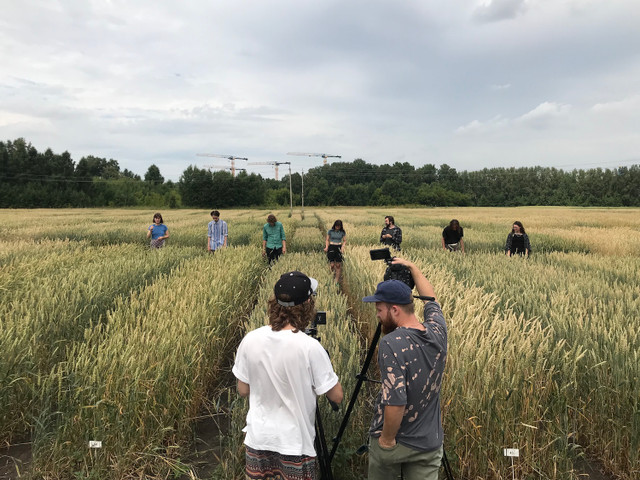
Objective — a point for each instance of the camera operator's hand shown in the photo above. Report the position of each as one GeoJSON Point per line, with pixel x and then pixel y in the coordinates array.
{"type": "Point", "coordinates": [423, 286]}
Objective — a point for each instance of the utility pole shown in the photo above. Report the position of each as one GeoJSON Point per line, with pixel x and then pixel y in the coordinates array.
{"type": "Point", "coordinates": [290, 192]}
{"type": "Point", "coordinates": [302, 193]}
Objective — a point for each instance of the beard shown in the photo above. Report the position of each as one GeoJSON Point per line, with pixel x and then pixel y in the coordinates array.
{"type": "Point", "coordinates": [387, 324]}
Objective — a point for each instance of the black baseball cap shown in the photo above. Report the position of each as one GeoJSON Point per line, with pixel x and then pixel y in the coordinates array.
{"type": "Point", "coordinates": [297, 286]}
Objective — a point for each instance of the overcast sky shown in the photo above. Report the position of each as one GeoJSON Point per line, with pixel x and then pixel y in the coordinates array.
{"type": "Point", "coordinates": [469, 83]}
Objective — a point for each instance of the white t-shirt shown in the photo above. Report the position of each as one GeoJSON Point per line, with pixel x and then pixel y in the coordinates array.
{"type": "Point", "coordinates": [285, 372]}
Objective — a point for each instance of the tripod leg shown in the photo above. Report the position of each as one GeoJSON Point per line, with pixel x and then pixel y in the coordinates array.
{"type": "Point", "coordinates": [356, 391]}
{"type": "Point", "coordinates": [446, 465]}
{"type": "Point", "coordinates": [324, 463]}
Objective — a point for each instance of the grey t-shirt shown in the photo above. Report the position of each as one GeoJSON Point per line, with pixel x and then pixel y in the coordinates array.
{"type": "Point", "coordinates": [335, 236]}
{"type": "Point", "coordinates": [411, 365]}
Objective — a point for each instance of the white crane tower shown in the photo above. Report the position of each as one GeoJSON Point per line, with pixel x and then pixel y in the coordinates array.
{"type": "Point", "coordinates": [275, 164]}
{"type": "Point", "coordinates": [323, 155]}
{"type": "Point", "coordinates": [220, 167]}
{"type": "Point", "coordinates": [231, 158]}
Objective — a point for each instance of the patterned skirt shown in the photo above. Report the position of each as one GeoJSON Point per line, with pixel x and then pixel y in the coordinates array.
{"type": "Point", "coordinates": [266, 465]}
{"type": "Point", "coordinates": [157, 243]}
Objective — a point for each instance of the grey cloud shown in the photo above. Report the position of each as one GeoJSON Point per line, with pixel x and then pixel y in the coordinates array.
{"type": "Point", "coordinates": [497, 10]}
{"type": "Point", "coordinates": [541, 117]}
{"type": "Point", "coordinates": [378, 80]}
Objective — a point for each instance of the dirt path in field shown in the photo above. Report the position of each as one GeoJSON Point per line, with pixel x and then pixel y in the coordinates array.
{"type": "Point", "coordinates": [14, 461]}
{"type": "Point", "coordinates": [208, 445]}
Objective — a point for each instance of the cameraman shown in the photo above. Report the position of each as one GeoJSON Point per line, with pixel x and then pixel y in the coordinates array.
{"type": "Point", "coordinates": [282, 370]}
{"type": "Point", "coordinates": [406, 430]}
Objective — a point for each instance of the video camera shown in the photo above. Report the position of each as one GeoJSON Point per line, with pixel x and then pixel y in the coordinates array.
{"type": "Point", "coordinates": [393, 272]}
{"type": "Point", "coordinates": [320, 319]}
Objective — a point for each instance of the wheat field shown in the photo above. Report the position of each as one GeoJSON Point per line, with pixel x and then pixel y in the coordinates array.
{"type": "Point", "coordinates": [103, 339]}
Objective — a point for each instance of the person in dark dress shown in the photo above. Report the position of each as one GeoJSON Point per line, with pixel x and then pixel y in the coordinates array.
{"type": "Point", "coordinates": [452, 237]}
{"type": "Point", "coordinates": [517, 241]}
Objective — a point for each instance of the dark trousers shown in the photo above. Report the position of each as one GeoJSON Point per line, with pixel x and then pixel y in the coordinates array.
{"type": "Point", "coordinates": [273, 254]}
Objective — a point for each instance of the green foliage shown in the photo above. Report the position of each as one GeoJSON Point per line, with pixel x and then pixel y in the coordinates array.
{"type": "Point", "coordinates": [29, 179]}
{"type": "Point", "coordinates": [153, 176]}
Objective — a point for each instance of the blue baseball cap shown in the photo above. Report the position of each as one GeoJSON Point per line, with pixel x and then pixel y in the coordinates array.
{"type": "Point", "coordinates": [391, 291]}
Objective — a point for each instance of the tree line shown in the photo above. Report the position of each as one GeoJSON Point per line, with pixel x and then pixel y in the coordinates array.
{"type": "Point", "coordinates": [30, 179]}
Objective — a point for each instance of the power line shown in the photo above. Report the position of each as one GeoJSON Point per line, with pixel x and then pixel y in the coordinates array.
{"type": "Point", "coordinates": [49, 178]}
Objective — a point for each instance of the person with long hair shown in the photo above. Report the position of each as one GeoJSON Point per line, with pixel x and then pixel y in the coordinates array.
{"type": "Point", "coordinates": [283, 370]}
{"type": "Point", "coordinates": [517, 241]}
{"type": "Point", "coordinates": [452, 237]}
{"type": "Point", "coordinates": [391, 234]}
{"type": "Point", "coordinates": [334, 246]}
{"type": "Point", "coordinates": [274, 241]}
{"type": "Point", "coordinates": [158, 232]}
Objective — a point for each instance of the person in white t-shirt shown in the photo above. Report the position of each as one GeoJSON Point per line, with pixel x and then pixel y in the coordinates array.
{"type": "Point", "coordinates": [282, 371]}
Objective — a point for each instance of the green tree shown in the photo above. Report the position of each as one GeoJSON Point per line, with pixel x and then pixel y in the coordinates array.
{"type": "Point", "coordinates": [196, 187]}
{"type": "Point", "coordinates": [153, 176]}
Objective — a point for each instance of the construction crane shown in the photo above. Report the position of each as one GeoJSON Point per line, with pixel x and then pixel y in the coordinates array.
{"type": "Point", "coordinates": [323, 155]}
{"type": "Point", "coordinates": [231, 158]}
{"type": "Point", "coordinates": [220, 167]}
{"type": "Point", "coordinates": [275, 164]}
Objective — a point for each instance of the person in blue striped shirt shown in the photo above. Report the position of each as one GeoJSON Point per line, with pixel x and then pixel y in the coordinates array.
{"type": "Point", "coordinates": [217, 232]}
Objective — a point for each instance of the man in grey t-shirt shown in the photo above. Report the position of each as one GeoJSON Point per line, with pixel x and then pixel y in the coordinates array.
{"type": "Point", "coordinates": [406, 431]}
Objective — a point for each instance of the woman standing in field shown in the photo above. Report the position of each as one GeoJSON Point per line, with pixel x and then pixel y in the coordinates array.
{"type": "Point", "coordinates": [334, 246]}
{"type": "Point", "coordinates": [158, 232]}
{"type": "Point", "coordinates": [517, 241]}
{"type": "Point", "coordinates": [452, 237]}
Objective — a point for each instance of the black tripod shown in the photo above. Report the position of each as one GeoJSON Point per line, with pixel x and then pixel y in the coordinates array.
{"type": "Point", "coordinates": [322, 451]}
{"type": "Point", "coordinates": [320, 443]}
{"type": "Point", "coordinates": [362, 377]}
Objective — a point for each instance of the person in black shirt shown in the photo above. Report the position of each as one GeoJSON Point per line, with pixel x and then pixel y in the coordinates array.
{"type": "Point", "coordinates": [517, 241]}
{"type": "Point", "coordinates": [452, 237]}
{"type": "Point", "coordinates": [391, 234]}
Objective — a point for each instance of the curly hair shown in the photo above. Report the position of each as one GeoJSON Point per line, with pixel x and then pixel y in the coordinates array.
{"type": "Point", "coordinates": [298, 316]}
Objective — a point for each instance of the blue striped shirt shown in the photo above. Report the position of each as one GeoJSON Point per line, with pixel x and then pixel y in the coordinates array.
{"type": "Point", "coordinates": [217, 231]}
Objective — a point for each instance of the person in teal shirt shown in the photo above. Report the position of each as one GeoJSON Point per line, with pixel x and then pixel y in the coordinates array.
{"type": "Point", "coordinates": [274, 242]}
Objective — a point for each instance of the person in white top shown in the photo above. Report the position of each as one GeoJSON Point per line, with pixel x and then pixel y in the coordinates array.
{"type": "Point", "coordinates": [282, 371]}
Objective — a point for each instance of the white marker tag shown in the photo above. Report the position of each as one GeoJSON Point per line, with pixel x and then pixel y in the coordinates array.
{"type": "Point", "coordinates": [95, 444]}
{"type": "Point", "coordinates": [511, 452]}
